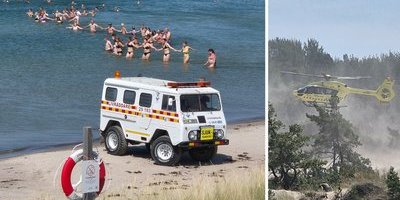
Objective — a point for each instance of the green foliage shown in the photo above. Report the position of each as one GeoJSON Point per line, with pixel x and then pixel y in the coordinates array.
{"type": "Point", "coordinates": [336, 142]}
{"type": "Point", "coordinates": [290, 165]}
{"type": "Point", "coordinates": [393, 184]}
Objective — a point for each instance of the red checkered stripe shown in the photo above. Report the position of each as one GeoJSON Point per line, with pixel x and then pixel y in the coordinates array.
{"type": "Point", "coordinates": [157, 114]}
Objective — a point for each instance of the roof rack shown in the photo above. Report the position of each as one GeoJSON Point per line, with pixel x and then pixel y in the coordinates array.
{"type": "Point", "coordinates": [188, 84]}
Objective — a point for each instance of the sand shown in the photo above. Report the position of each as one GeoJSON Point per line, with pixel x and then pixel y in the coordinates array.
{"type": "Point", "coordinates": [32, 176]}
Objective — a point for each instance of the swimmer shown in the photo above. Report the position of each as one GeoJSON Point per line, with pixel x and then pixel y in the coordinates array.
{"type": "Point", "coordinates": [92, 12]}
{"type": "Point", "coordinates": [123, 29]}
{"type": "Point", "coordinates": [108, 47]}
{"type": "Point", "coordinates": [75, 27]}
{"type": "Point", "coordinates": [30, 13]}
{"type": "Point", "coordinates": [147, 46]}
{"type": "Point", "coordinates": [212, 59]}
{"type": "Point", "coordinates": [131, 45]}
{"type": "Point", "coordinates": [166, 46]}
{"type": "Point", "coordinates": [133, 31]}
{"type": "Point", "coordinates": [185, 50]}
{"type": "Point", "coordinates": [92, 25]}
{"type": "Point", "coordinates": [167, 34]}
{"type": "Point", "coordinates": [76, 16]}
{"type": "Point", "coordinates": [118, 46]}
{"type": "Point", "coordinates": [110, 29]}
{"type": "Point", "coordinates": [143, 31]}
{"type": "Point", "coordinates": [58, 16]}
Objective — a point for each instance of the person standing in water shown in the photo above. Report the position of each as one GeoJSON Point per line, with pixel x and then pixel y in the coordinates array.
{"type": "Point", "coordinates": [212, 59]}
{"type": "Point", "coordinates": [109, 46]}
{"type": "Point", "coordinates": [166, 46]}
{"type": "Point", "coordinates": [75, 27]}
{"type": "Point", "coordinates": [147, 46]}
{"type": "Point", "coordinates": [110, 29]}
{"type": "Point", "coordinates": [30, 13]}
{"type": "Point", "coordinates": [92, 25]}
{"type": "Point", "coordinates": [123, 30]}
{"type": "Point", "coordinates": [131, 46]}
{"type": "Point", "coordinates": [186, 50]}
{"type": "Point", "coordinates": [118, 45]}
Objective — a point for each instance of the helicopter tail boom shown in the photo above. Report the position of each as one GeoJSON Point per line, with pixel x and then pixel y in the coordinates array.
{"type": "Point", "coordinates": [385, 92]}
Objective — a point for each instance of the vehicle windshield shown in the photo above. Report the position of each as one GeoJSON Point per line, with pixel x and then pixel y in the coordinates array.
{"type": "Point", "coordinates": [200, 102]}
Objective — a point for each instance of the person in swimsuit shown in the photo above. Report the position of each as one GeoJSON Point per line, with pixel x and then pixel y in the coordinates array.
{"type": "Point", "coordinates": [147, 46]}
{"type": "Point", "coordinates": [167, 34]}
{"type": "Point", "coordinates": [185, 50]}
{"type": "Point", "coordinates": [133, 31]}
{"type": "Point", "coordinates": [118, 45]}
{"type": "Point", "coordinates": [30, 13]}
{"type": "Point", "coordinates": [92, 25]}
{"type": "Point", "coordinates": [131, 46]}
{"type": "Point", "coordinates": [166, 46]}
{"type": "Point", "coordinates": [108, 47]}
{"type": "Point", "coordinates": [123, 29]}
{"type": "Point", "coordinates": [212, 59]}
{"type": "Point", "coordinates": [110, 29]}
{"type": "Point", "coordinates": [59, 17]}
{"type": "Point", "coordinates": [75, 27]}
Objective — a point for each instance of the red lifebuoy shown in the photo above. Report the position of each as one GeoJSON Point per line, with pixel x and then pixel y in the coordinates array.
{"type": "Point", "coordinates": [67, 171]}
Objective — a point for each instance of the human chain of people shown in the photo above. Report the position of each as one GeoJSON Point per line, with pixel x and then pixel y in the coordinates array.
{"type": "Point", "coordinates": [157, 40]}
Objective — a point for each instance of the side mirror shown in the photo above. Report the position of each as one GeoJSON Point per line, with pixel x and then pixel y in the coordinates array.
{"type": "Point", "coordinates": [171, 101]}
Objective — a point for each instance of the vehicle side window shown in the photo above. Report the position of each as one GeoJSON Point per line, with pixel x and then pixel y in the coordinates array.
{"type": "Point", "coordinates": [111, 94]}
{"type": "Point", "coordinates": [129, 97]}
{"type": "Point", "coordinates": [145, 100]}
{"type": "Point", "coordinates": [165, 105]}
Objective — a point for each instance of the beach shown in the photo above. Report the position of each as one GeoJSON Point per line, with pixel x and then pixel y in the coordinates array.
{"type": "Point", "coordinates": [52, 77]}
{"type": "Point", "coordinates": [32, 176]}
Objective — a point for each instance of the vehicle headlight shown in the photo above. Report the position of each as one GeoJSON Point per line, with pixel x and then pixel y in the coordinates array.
{"type": "Point", "coordinates": [219, 133]}
{"type": "Point", "coordinates": [192, 135]}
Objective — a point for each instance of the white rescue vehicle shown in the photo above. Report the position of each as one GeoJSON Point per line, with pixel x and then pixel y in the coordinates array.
{"type": "Point", "coordinates": [169, 117]}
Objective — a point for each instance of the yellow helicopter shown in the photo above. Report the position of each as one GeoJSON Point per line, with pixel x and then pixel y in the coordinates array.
{"type": "Point", "coordinates": [322, 91]}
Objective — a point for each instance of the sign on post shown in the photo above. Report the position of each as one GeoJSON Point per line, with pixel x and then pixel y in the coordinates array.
{"type": "Point", "coordinates": [90, 176]}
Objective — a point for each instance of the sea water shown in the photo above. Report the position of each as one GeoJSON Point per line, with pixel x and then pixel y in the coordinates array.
{"type": "Point", "coordinates": [51, 77]}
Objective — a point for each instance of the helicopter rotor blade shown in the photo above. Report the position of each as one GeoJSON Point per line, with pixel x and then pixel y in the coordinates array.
{"type": "Point", "coordinates": [302, 74]}
{"type": "Point", "coordinates": [351, 78]}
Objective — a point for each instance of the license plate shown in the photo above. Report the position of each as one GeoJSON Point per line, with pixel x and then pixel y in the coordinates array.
{"type": "Point", "coordinates": [207, 133]}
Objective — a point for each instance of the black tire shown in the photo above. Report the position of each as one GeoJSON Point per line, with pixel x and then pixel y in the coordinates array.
{"type": "Point", "coordinates": [119, 145]}
{"type": "Point", "coordinates": [203, 154]}
{"type": "Point", "coordinates": [171, 154]}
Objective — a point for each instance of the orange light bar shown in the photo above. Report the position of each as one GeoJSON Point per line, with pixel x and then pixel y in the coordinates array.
{"type": "Point", "coordinates": [188, 84]}
{"type": "Point", "coordinates": [117, 74]}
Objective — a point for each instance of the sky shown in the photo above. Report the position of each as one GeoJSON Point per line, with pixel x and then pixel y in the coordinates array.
{"type": "Point", "coordinates": [357, 27]}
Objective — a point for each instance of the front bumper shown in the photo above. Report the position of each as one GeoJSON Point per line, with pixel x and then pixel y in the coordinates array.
{"type": "Point", "coordinates": [198, 143]}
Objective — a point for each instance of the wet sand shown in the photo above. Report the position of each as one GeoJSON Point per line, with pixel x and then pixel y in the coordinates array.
{"type": "Point", "coordinates": [32, 176]}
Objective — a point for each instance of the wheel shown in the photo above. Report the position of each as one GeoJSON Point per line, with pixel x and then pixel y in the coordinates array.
{"type": "Point", "coordinates": [203, 154]}
{"type": "Point", "coordinates": [163, 152]}
{"type": "Point", "coordinates": [116, 143]}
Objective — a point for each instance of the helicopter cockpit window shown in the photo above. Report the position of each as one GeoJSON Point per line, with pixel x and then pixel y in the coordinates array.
{"type": "Point", "coordinates": [301, 90]}
{"type": "Point", "coordinates": [312, 90]}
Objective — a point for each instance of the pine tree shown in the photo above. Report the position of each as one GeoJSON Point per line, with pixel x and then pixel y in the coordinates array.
{"type": "Point", "coordinates": [336, 142]}
{"type": "Point", "coordinates": [393, 184]}
{"type": "Point", "coordinates": [288, 162]}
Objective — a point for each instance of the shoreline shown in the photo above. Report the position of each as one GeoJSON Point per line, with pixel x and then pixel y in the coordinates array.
{"type": "Point", "coordinates": [37, 175]}
{"type": "Point", "coordinates": [24, 151]}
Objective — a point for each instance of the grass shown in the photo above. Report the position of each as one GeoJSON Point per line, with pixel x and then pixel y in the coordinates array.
{"type": "Point", "coordinates": [238, 186]}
